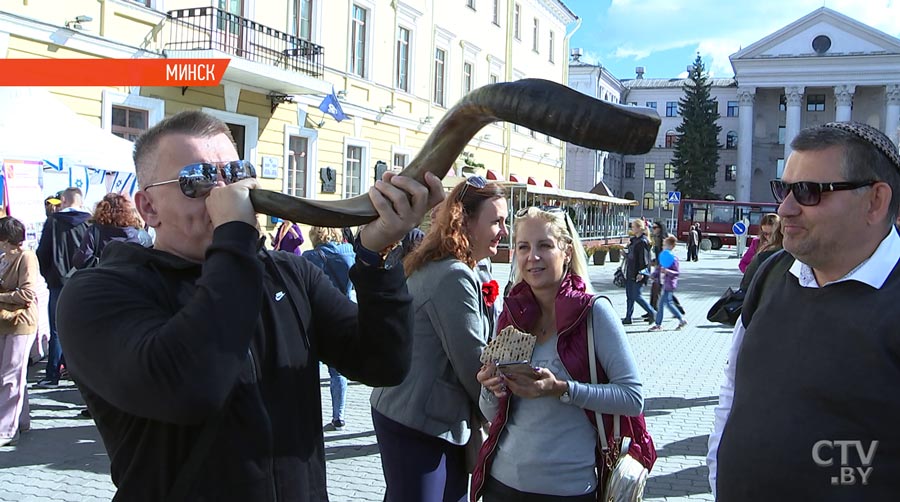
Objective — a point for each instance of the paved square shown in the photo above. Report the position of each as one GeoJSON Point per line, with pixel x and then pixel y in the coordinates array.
{"type": "Point", "coordinates": [63, 459]}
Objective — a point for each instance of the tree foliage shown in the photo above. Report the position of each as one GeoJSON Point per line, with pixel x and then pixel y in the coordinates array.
{"type": "Point", "coordinates": [696, 158]}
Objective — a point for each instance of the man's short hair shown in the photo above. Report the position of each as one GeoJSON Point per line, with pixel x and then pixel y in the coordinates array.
{"type": "Point", "coordinates": [191, 123]}
{"type": "Point", "coordinates": [70, 195]}
{"type": "Point", "coordinates": [868, 154]}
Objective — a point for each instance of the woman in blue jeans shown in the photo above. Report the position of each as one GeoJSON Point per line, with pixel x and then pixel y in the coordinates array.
{"type": "Point", "coordinates": [637, 259]}
{"type": "Point", "coordinates": [334, 257]}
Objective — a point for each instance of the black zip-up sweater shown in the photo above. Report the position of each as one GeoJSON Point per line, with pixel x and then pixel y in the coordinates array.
{"type": "Point", "coordinates": [158, 344]}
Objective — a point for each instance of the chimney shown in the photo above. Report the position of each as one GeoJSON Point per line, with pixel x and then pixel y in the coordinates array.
{"type": "Point", "coordinates": [639, 71]}
{"type": "Point", "coordinates": [576, 55]}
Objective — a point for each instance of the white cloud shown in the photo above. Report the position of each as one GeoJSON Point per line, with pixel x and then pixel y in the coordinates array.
{"type": "Point", "coordinates": [640, 29]}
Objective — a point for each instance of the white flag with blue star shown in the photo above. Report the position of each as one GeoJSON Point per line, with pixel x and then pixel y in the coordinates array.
{"type": "Point", "coordinates": [123, 183]}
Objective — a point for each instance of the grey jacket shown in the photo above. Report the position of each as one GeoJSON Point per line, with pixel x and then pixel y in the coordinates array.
{"type": "Point", "coordinates": [441, 393]}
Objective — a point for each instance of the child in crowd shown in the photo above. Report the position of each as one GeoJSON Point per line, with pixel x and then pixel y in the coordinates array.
{"type": "Point", "coordinates": [666, 273]}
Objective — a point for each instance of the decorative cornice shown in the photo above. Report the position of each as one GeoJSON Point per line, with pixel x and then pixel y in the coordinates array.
{"type": "Point", "coordinates": [794, 95]}
{"type": "Point", "coordinates": [469, 49]}
{"type": "Point", "coordinates": [843, 94]}
{"type": "Point", "coordinates": [892, 94]}
{"type": "Point", "coordinates": [443, 36]}
{"type": "Point", "coordinates": [745, 95]}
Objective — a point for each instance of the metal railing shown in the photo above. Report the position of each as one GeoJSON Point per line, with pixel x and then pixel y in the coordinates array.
{"type": "Point", "coordinates": [210, 28]}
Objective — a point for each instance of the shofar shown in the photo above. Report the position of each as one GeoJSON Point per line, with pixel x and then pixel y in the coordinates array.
{"type": "Point", "coordinates": [540, 105]}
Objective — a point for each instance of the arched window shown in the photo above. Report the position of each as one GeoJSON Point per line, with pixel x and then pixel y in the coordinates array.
{"type": "Point", "coordinates": [671, 139]}
{"type": "Point", "coordinates": [629, 195]}
{"type": "Point", "coordinates": [731, 140]}
{"type": "Point", "coordinates": [648, 200]}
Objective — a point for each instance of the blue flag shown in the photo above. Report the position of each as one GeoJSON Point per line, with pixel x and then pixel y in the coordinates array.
{"type": "Point", "coordinates": [332, 106]}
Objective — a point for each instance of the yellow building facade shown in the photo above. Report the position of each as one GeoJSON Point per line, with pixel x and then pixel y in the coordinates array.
{"type": "Point", "coordinates": [396, 66]}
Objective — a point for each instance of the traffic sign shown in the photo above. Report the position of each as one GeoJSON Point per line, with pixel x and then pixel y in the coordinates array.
{"type": "Point", "coordinates": [739, 228]}
{"type": "Point", "coordinates": [674, 197]}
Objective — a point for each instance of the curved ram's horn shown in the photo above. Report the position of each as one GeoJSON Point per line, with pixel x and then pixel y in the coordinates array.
{"type": "Point", "coordinates": [541, 105]}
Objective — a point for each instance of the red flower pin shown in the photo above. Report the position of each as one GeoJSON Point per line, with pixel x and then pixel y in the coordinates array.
{"type": "Point", "coordinates": [490, 291]}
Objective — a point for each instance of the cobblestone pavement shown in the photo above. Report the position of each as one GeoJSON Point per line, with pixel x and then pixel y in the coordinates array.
{"type": "Point", "coordinates": [63, 459]}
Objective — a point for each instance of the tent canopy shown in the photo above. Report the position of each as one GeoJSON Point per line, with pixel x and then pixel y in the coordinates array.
{"type": "Point", "coordinates": [36, 125]}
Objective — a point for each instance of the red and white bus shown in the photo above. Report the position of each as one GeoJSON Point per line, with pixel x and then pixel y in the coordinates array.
{"type": "Point", "coordinates": [716, 217]}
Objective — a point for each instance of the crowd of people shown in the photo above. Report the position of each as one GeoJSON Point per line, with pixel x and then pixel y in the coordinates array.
{"type": "Point", "coordinates": [216, 339]}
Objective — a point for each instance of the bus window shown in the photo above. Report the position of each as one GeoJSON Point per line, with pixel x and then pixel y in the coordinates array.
{"type": "Point", "coordinates": [722, 214]}
{"type": "Point", "coordinates": [686, 210]}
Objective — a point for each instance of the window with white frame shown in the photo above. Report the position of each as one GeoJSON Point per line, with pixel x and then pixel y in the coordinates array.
{"type": "Point", "coordinates": [401, 160]}
{"type": "Point", "coordinates": [650, 104]}
{"type": "Point", "coordinates": [128, 115]}
{"type": "Point", "coordinates": [732, 109]}
{"type": "Point", "coordinates": [440, 60]}
{"type": "Point", "coordinates": [129, 123]}
{"type": "Point", "coordinates": [303, 19]}
{"type": "Point", "coordinates": [536, 35]}
{"type": "Point", "coordinates": [552, 46]}
{"type": "Point", "coordinates": [815, 103]}
{"type": "Point", "coordinates": [496, 18]}
{"type": "Point", "coordinates": [296, 173]}
{"type": "Point", "coordinates": [671, 108]}
{"type": "Point", "coordinates": [517, 21]}
{"type": "Point", "coordinates": [781, 135]}
{"type": "Point", "coordinates": [468, 77]}
{"type": "Point", "coordinates": [358, 29]}
{"type": "Point", "coordinates": [669, 170]}
{"type": "Point", "coordinates": [649, 199]}
{"type": "Point", "coordinates": [649, 170]}
{"type": "Point", "coordinates": [493, 78]}
{"type": "Point", "coordinates": [779, 168]}
{"type": "Point", "coordinates": [353, 160]}
{"type": "Point", "coordinates": [402, 77]}
{"type": "Point", "coordinates": [470, 4]}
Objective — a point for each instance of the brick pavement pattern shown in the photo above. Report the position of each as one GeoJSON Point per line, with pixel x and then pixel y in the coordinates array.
{"type": "Point", "coordinates": [62, 458]}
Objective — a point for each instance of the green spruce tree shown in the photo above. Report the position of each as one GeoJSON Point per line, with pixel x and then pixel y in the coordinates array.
{"type": "Point", "coordinates": [696, 158]}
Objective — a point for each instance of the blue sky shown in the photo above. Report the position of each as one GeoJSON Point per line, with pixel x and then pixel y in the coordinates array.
{"type": "Point", "coordinates": [665, 35]}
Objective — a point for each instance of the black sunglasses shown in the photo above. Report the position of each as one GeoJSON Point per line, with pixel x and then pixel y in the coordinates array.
{"type": "Point", "coordinates": [476, 182]}
{"type": "Point", "coordinates": [809, 193]}
{"type": "Point", "coordinates": [197, 180]}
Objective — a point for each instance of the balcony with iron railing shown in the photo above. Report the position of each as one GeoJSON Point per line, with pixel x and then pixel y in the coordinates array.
{"type": "Point", "coordinates": [210, 31]}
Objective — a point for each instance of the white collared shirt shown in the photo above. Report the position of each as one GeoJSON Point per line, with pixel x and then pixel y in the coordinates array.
{"type": "Point", "coordinates": [873, 271]}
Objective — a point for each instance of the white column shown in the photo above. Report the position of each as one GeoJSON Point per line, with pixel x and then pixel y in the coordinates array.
{"type": "Point", "coordinates": [745, 142]}
{"type": "Point", "coordinates": [892, 112]}
{"type": "Point", "coordinates": [794, 97]}
{"type": "Point", "coordinates": [843, 96]}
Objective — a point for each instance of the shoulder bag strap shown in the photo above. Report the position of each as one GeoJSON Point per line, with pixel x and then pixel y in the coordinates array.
{"type": "Point", "coordinates": [592, 363]}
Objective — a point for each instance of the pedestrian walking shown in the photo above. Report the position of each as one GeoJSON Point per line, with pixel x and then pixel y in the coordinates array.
{"type": "Point", "coordinates": [637, 273]}
{"type": "Point", "coordinates": [693, 242]}
{"type": "Point", "coordinates": [666, 274]}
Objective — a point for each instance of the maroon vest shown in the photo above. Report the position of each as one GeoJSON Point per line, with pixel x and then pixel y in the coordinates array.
{"type": "Point", "coordinates": [573, 305]}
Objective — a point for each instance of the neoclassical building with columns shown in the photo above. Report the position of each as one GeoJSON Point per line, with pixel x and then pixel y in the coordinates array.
{"type": "Point", "coordinates": [823, 67]}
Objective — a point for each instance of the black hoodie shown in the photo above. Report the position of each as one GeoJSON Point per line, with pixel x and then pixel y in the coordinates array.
{"type": "Point", "coordinates": [158, 345]}
{"type": "Point", "coordinates": [60, 240]}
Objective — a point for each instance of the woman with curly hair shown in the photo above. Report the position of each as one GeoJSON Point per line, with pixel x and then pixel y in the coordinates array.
{"type": "Point", "coordinates": [115, 219]}
{"type": "Point", "coordinates": [424, 424]}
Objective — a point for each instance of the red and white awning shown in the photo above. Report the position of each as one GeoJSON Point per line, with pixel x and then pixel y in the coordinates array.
{"type": "Point", "coordinates": [532, 181]}
{"type": "Point", "coordinates": [494, 176]}
{"type": "Point", "coordinates": [514, 178]}
{"type": "Point", "coordinates": [549, 184]}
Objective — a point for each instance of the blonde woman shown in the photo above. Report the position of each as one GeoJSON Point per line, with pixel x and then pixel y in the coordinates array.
{"type": "Point", "coordinates": [541, 445]}
{"type": "Point", "coordinates": [335, 258]}
{"type": "Point", "coordinates": [19, 274]}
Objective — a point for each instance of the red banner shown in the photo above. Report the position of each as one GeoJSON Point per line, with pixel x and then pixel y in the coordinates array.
{"type": "Point", "coordinates": [112, 72]}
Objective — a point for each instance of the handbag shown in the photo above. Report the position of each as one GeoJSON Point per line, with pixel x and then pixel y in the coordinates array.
{"type": "Point", "coordinates": [727, 309]}
{"type": "Point", "coordinates": [619, 277]}
{"type": "Point", "coordinates": [626, 477]}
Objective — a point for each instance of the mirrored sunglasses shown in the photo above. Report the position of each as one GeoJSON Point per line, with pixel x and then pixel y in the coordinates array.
{"type": "Point", "coordinates": [809, 193]}
{"type": "Point", "coordinates": [476, 182]}
{"type": "Point", "coordinates": [197, 180]}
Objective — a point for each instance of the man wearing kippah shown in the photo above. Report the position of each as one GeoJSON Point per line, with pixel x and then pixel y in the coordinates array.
{"type": "Point", "coordinates": [810, 403]}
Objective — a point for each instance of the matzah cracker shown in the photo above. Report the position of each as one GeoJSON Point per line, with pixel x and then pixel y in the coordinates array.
{"type": "Point", "coordinates": [509, 346]}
